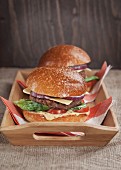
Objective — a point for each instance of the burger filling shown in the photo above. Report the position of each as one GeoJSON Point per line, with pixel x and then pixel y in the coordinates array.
{"type": "Point", "coordinates": [54, 104]}
{"type": "Point", "coordinates": [51, 113]}
{"type": "Point", "coordinates": [79, 67]}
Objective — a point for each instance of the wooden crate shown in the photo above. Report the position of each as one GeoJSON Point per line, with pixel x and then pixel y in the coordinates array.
{"type": "Point", "coordinates": [93, 135]}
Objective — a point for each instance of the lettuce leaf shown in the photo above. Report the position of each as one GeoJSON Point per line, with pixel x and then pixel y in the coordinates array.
{"type": "Point", "coordinates": [26, 104]}
{"type": "Point", "coordinates": [91, 78]}
{"type": "Point", "coordinates": [79, 107]}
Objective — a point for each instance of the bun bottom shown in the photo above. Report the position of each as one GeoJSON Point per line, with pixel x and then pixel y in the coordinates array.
{"type": "Point", "coordinates": [33, 117]}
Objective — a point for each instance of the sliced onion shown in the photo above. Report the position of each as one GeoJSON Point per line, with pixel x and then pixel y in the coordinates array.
{"type": "Point", "coordinates": [79, 67]}
{"type": "Point", "coordinates": [74, 97]}
{"type": "Point", "coordinates": [33, 94]}
{"type": "Point", "coordinates": [40, 96]}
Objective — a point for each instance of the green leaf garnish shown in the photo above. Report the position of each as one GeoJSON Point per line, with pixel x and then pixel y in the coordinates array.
{"type": "Point", "coordinates": [79, 107]}
{"type": "Point", "coordinates": [87, 79]}
{"type": "Point", "coordinates": [26, 104]}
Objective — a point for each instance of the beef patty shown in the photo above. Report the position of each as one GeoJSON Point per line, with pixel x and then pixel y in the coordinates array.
{"type": "Point", "coordinates": [54, 104]}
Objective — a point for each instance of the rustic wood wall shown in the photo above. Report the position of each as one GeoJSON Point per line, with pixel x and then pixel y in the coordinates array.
{"type": "Point", "coordinates": [29, 27]}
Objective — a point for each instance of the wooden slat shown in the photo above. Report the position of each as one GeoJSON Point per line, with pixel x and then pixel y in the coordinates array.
{"type": "Point", "coordinates": [29, 28]}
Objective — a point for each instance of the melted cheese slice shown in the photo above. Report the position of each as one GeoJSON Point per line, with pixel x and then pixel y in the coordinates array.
{"type": "Point", "coordinates": [63, 101]}
{"type": "Point", "coordinates": [86, 69]}
{"type": "Point", "coordinates": [50, 116]}
{"type": "Point", "coordinates": [26, 91]}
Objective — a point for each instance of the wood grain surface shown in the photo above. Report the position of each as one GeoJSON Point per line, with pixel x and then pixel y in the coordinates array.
{"type": "Point", "coordinates": [28, 28]}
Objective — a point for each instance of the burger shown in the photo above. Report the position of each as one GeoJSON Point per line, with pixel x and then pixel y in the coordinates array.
{"type": "Point", "coordinates": [65, 56]}
{"type": "Point", "coordinates": [55, 94]}
{"type": "Point", "coordinates": [69, 56]}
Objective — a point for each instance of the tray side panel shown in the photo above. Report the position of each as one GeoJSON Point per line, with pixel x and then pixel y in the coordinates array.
{"type": "Point", "coordinates": [110, 119]}
{"type": "Point", "coordinates": [92, 136]}
{"type": "Point", "coordinates": [15, 94]}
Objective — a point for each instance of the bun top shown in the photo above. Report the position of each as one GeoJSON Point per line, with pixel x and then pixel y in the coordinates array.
{"type": "Point", "coordinates": [64, 56]}
{"type": "Point", "coordinates": [56, 82]}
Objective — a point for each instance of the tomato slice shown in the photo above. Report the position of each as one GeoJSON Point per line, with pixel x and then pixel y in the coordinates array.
{"type": "Point", "coordinates": [90, 84]}
{"type": "Point", "coordinates": [82, 101]}
{"type": "Point", "coordinates": [57, 111]}
{"type": "Point", "coordinates": [82, 110]}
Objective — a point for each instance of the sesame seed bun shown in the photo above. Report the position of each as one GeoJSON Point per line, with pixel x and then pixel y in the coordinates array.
{"type": "Point", "coordinates": [56, 82]}
{"type": "Point", "coordinates": [64, 56]}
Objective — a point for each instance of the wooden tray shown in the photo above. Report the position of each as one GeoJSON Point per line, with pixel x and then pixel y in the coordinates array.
{"type": "Point", "coordinates": [98, 135]}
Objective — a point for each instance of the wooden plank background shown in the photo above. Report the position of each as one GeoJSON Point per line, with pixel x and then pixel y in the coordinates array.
{"type": "Point", "coordinates": [29, 27]}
